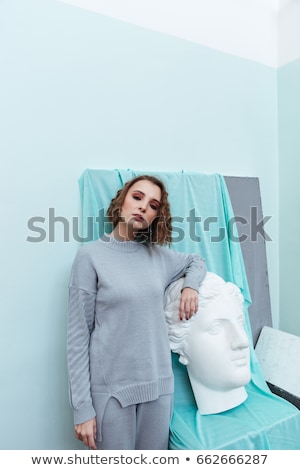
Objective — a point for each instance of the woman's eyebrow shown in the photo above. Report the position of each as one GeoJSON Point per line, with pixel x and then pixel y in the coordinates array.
{"type": "Point", "coordinates": [141, 192]}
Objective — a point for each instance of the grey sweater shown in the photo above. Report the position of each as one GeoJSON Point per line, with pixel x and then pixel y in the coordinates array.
{"type": "Point", "coordinates": [117, 342]}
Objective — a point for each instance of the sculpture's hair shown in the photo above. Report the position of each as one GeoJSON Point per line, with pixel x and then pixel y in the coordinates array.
{"type": "Point", "coordinates": [160, 231]}
{"type": "Point", "coordinates": [211, 288]}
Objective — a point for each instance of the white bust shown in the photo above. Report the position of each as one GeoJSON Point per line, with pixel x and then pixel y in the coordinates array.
{"type": "Point", "coordinates": [213, 344]}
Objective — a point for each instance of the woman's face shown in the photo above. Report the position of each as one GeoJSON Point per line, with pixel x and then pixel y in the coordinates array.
{"type": "Point", "coordinates": [141, 205]}
{"type": "Point", "coordinates": [217, 346]}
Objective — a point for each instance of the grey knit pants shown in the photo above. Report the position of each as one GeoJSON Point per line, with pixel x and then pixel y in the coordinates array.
{"type": "Point", "coordinates": [143, 426]}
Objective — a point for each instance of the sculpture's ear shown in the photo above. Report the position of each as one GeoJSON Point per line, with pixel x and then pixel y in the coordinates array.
{"type": "Point", "coordinates": [183, 359]}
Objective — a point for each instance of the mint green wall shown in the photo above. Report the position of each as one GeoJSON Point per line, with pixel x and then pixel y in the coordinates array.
{"type": "Point", "coordinates": [289, 194]}
{"type": "Point", "coordinates": [79, 90]}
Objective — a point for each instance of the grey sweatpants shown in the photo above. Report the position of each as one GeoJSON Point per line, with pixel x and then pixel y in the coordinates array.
{"type": "Point", "coordinates": [143, 426]}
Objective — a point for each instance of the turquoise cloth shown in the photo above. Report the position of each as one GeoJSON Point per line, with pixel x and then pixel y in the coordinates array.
{"type": "Point", "coordinates": [202, 215]}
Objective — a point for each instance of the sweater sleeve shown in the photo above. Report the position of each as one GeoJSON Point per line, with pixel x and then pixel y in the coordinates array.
{"type": "Point", "coordinates": [190, 266]}
{"type": "Point", "coordinates": [80, 324]}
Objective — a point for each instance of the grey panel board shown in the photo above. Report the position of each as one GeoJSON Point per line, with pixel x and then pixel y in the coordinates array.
{"type": "Point", "coordinates": [245, 198]}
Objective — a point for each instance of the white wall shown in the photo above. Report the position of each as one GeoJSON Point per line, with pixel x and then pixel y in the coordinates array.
{"type": "Point", "coordinates": [289, 208]}
{"type": "Point", "coordinates": [288, 32]}
{"type": "Point", "coordinates": [80, 90]}
{"type": "Point", "coordinates": [265, 31]}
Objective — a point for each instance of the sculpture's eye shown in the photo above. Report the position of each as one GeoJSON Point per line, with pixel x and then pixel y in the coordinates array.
{"type": "Point", "coordinates": [215, 328]}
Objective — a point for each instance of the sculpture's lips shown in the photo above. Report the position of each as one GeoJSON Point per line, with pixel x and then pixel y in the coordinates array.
{"type": "Point", "coordinates": [241, 360]}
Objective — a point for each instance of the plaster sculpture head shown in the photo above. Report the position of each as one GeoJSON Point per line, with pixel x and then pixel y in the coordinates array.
{"type": "Point", "coordinates": [213, 344]}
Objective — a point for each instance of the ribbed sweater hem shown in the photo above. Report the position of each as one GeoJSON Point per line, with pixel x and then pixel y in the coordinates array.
{"type": "Point", "coordinates": [141, 392]}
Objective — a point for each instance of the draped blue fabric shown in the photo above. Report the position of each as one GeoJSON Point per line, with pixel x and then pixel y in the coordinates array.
{"type": "Point", "coordinates": [203, 222]}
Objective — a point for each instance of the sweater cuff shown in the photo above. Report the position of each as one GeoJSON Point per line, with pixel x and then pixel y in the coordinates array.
{"type": "Point", "coordinates": [191, 285]}
{"type": "Point", "coordinates": [84, 414]}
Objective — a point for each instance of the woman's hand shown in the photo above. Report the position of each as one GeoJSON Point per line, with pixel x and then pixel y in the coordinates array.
{"type": "Point", "coordinates": [188, 303]}
{"type": "Point", "coordinates": [86, 432]}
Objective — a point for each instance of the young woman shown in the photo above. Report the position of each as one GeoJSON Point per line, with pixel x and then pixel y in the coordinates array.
{"type": "Point", "coordinates": [119, 360]}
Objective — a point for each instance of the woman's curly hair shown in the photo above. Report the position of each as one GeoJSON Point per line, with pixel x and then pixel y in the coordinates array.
{"type": "Point", "coordinates": [160, 231]}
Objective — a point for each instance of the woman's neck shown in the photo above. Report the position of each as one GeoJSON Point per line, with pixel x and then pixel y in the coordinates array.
{"type": "Point", "coordinates": [123, 233]}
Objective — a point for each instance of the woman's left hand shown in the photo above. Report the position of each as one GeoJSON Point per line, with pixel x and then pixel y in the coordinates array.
{"type": "Point", "coordinates": [188, 303]}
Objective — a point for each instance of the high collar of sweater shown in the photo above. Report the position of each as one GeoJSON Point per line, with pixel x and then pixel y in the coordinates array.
{"type": "Point", "coordinates": [126, 246]}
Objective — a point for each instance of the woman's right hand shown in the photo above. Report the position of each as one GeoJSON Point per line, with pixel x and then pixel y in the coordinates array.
{"type": "Point", "coordinates": [86, 432]}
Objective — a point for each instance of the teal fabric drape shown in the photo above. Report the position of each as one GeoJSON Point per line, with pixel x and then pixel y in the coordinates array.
{"type": "Point", "coordinates": [203, 223]}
